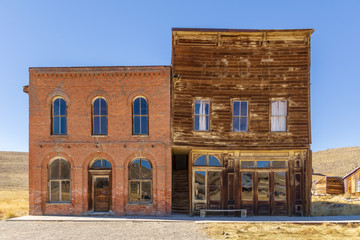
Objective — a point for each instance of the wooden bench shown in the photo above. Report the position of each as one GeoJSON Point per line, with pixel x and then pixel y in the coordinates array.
{"type": "Point", "coordinates": [203, 211]}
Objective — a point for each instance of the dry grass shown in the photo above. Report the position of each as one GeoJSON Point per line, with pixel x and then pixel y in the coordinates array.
{"type": "Point", "coordinates": [13, 203]}
{"type": "Point", "coordinates": [334, 205]}
{"type": "Point", "coordinates": [337, 161]}
{"type": "Point", "coordinates": [281, 231]}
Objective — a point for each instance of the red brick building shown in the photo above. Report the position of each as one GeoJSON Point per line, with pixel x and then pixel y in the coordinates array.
{"type": "Point", "coordinates": [100, 140]}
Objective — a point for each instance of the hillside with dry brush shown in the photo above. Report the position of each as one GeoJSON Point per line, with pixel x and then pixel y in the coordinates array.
{"type": "Point", "coordinates": [337, 161]}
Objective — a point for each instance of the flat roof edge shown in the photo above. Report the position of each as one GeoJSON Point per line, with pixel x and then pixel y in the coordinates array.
{"type": "Point", "coordinates": [311, 30]}
{"type": "Point", "coordinates": [100, 68]}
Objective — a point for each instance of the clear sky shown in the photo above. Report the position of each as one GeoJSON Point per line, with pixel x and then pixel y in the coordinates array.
{"type": "Point", "coordinates": [118, 33]}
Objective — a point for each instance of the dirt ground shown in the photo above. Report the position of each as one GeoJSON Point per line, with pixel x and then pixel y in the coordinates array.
{"type": "Point", "coordinates": [100, 230]}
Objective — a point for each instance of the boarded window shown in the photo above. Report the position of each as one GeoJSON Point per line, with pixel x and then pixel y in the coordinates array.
{"type": "Point", "coordinates": [278, 116]}
{"type": "Point", "coordinates": [240, 116]}
{"type": "Point", "coordinates": [140, 181]}
{"type": "Point", "coordinates": [59, 117]}
{"type": "Point", "coordinates": [140, 116]}
{"type": "Point", "coordinates": [201, 119]}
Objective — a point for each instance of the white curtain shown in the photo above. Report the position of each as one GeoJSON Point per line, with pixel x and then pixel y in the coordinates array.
{"type": "Point", "coordinates": [203, 117]}
{"type": "Point", "coordinates": [278, 116]}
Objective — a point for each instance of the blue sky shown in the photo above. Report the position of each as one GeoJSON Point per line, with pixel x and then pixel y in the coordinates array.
{"type": "Point", "coordinates": [115, 33]}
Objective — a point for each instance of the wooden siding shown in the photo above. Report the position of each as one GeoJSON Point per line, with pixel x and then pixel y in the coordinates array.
{"type": "Point", "coordinates": [255, 66]}
{"type": "Point", "coordinates": [334, 185]}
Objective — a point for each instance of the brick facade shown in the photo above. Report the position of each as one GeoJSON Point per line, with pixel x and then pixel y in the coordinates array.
{"type": "Point", "coordinates": [78, 87]}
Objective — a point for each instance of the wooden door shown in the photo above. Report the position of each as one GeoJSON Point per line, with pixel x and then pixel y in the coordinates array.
{"type": "Point", "coordinates": [279, 196]}
{"type": "Point", "coordinates": [101, 194]}
{"type": "Point", "coordinates": [263, 193]}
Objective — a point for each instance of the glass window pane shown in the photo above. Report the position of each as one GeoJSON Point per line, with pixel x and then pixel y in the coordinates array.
{"type": "Point", "coordinates": [246, 186]}
{"type": "Point", "coordinates": [279, 164]}
{"type": "Point", "coordinates": [56, 107]}
{"type": "Point", "coordinates": [97, 163]}
{"type": "Point", "coordinates": [199, 192]}
{"type": "Point", "coordinates": [247, 164]}
{"type": "Point", "coordinates": [54, 191]}
{"type": "Point", "coordinates": [197, 106]}
{"type": "Point", "coordinates": [145, 171]}
{"type": "Point", "coordinates": [244, 108]}
{"type": "Point", "coordinates": [207, 123]}
{"type": "Point", "coordinates": [200, 178]}
{"type": "Point", "coordinates": [106, 164]}
{"type": "Point", "coordinates": [137, 106]}
{"type": "Point", "coordinates": [243, 124]}
{"type": "Point", "coordinates": [65, 191]}
{"type": "Point", "coordinates": [96, 107]}
{"type": "Point", "coordinates": [135, 169]}
{"type": "Point", "coordinates": [137, 125]}
{"type": "Point", "coordinates": [56, 125]}
{"type": "Point", "coordinates": [207, 105]}
{"type": "Point", "coordinates": [143, 106]}
{"type": "Point", "coordinates": [263, 186]}
{"type": "Point", "coordinates": [146, 191]}
{"type": "Point", "coordinates": [196, 122]}
{"type": "Point", "coordinates": [236, 108]}
{"type": "Point", "coordinates": [214, 162]}
{"type": "Point", "coordinates": [63, 125]}
{"type": "Point", "coordinates": [103, 122]}
{"type": "Point", "coordinates": [263, 164]}
{"type": "Point", "coordinates": [200, 161]}
{"type": "Point", "coordinates": [280, 186]}
{"type": "Point", "coordinates": [96, 125]}
{"type": "Point", "coordinates": [103, 107]}
{"type": "Point", "coordinates": [65, 169]}
{"type": "Point", "coordinates": [214, 186]}
{"type": "Point", "coordinates": [62, 107]}
{"type": "Point", "coordinates": [236, 124]}
{"type": "Point", "coordinates": [134, 191]}
{"type": "Point", "coordinates": [144, 125]}
{"type": "Point", "coordinates": [54, 169]}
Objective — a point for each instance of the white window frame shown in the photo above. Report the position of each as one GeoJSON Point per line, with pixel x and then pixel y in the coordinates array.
{"type": "Point", "coordinates": [277, 116]}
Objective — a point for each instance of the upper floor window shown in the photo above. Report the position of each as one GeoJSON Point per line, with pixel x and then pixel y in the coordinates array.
{"type": "Point", "coordinates": [59, 180]}
{"type": "Point", "coordinates": [278, 115]}
{"type": "Point", "coordinates": [99, 117]}
{"type": "Point", "coordinates": [140, 116]}
{"type": "Point", "coordinates": [140, 181]}
{"type": "Point", "coordinates": [201, 120]}
{"type": "Point", "coordinates": [58, 117]}
{"type": "Point", "coordinates": [240, 116]}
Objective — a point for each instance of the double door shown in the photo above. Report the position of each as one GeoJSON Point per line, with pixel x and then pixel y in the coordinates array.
{"type": "Point", "coordinates": [264, 193]}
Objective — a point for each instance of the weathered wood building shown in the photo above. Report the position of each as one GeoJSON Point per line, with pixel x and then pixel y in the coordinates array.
{"type": "Point", "coordinates": [328, 185]}
{"type": "Point", "coordinates": [352, 182]}
{"type": "Point", "coordinates": [240, 117]}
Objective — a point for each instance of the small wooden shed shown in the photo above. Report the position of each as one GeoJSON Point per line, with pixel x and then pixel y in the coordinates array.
{"type": "Point", "coordinates": [328, 185]}
{"type": "Point", "coordinates": [352, 182]}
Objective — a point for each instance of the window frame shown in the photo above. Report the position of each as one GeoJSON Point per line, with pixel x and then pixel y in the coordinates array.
{"type": "Point", "coordinates": [247, 115]}
{"type": "Point", "coordinates": [140, 115]}
{"type": "Point", "coordinates": [93, 116]}
{"type": "Point", "coordinates": [193, 114]}
{"type": "Point", "coordinates": [286, 116]}
{"type": "Point", "coordinates": [140, 183]}
{"type": "Point", "coordinates": [58, 116]}
{"type": "Point", "coordinates": [60, 180]}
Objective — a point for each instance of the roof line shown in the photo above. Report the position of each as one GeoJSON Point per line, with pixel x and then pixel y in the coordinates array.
{"type": "Point", "coordinates": [240, 30]}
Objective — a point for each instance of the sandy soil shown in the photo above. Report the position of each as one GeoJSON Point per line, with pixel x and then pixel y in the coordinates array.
{"type": "Point", "coordinates": [98, 230]}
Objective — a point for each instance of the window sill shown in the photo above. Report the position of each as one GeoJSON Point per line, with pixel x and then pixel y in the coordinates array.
{"type": "Point", "coordinates": [141, 203]}
{"type": "Point", "coordinates": [58, 135]}
{"type": "Point", "coordinates": [140, 135]}
{"type": "Point", "coordinates": [200, 131]}
{"type": "Point", "coordinates": [99, 135]}
{"type": "Point", "coordinates": [58, 203]}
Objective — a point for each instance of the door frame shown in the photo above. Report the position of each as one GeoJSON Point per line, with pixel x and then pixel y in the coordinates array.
{"type": "Point", "coordinates": [99, 174]}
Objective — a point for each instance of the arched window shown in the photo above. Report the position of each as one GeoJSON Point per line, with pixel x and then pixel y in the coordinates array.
{"type": "Point", "coordinates": [140, 116]}
{"type": "Point", "coordinates": [99, 117]}
{"type": "Point", "coordinates": [58, 117]}
{"type": "Point", "coordinates": [59, 180]}
{"type": "Point", "coordinates": [207, 160]}
{"type": "Point", "coordinates": [100, 164]}
{"type": "Point", "coordinates": [140, 181]}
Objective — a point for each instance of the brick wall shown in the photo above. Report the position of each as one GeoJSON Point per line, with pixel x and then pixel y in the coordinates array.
{"type": "Point", "coordinates": [119, 86]}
